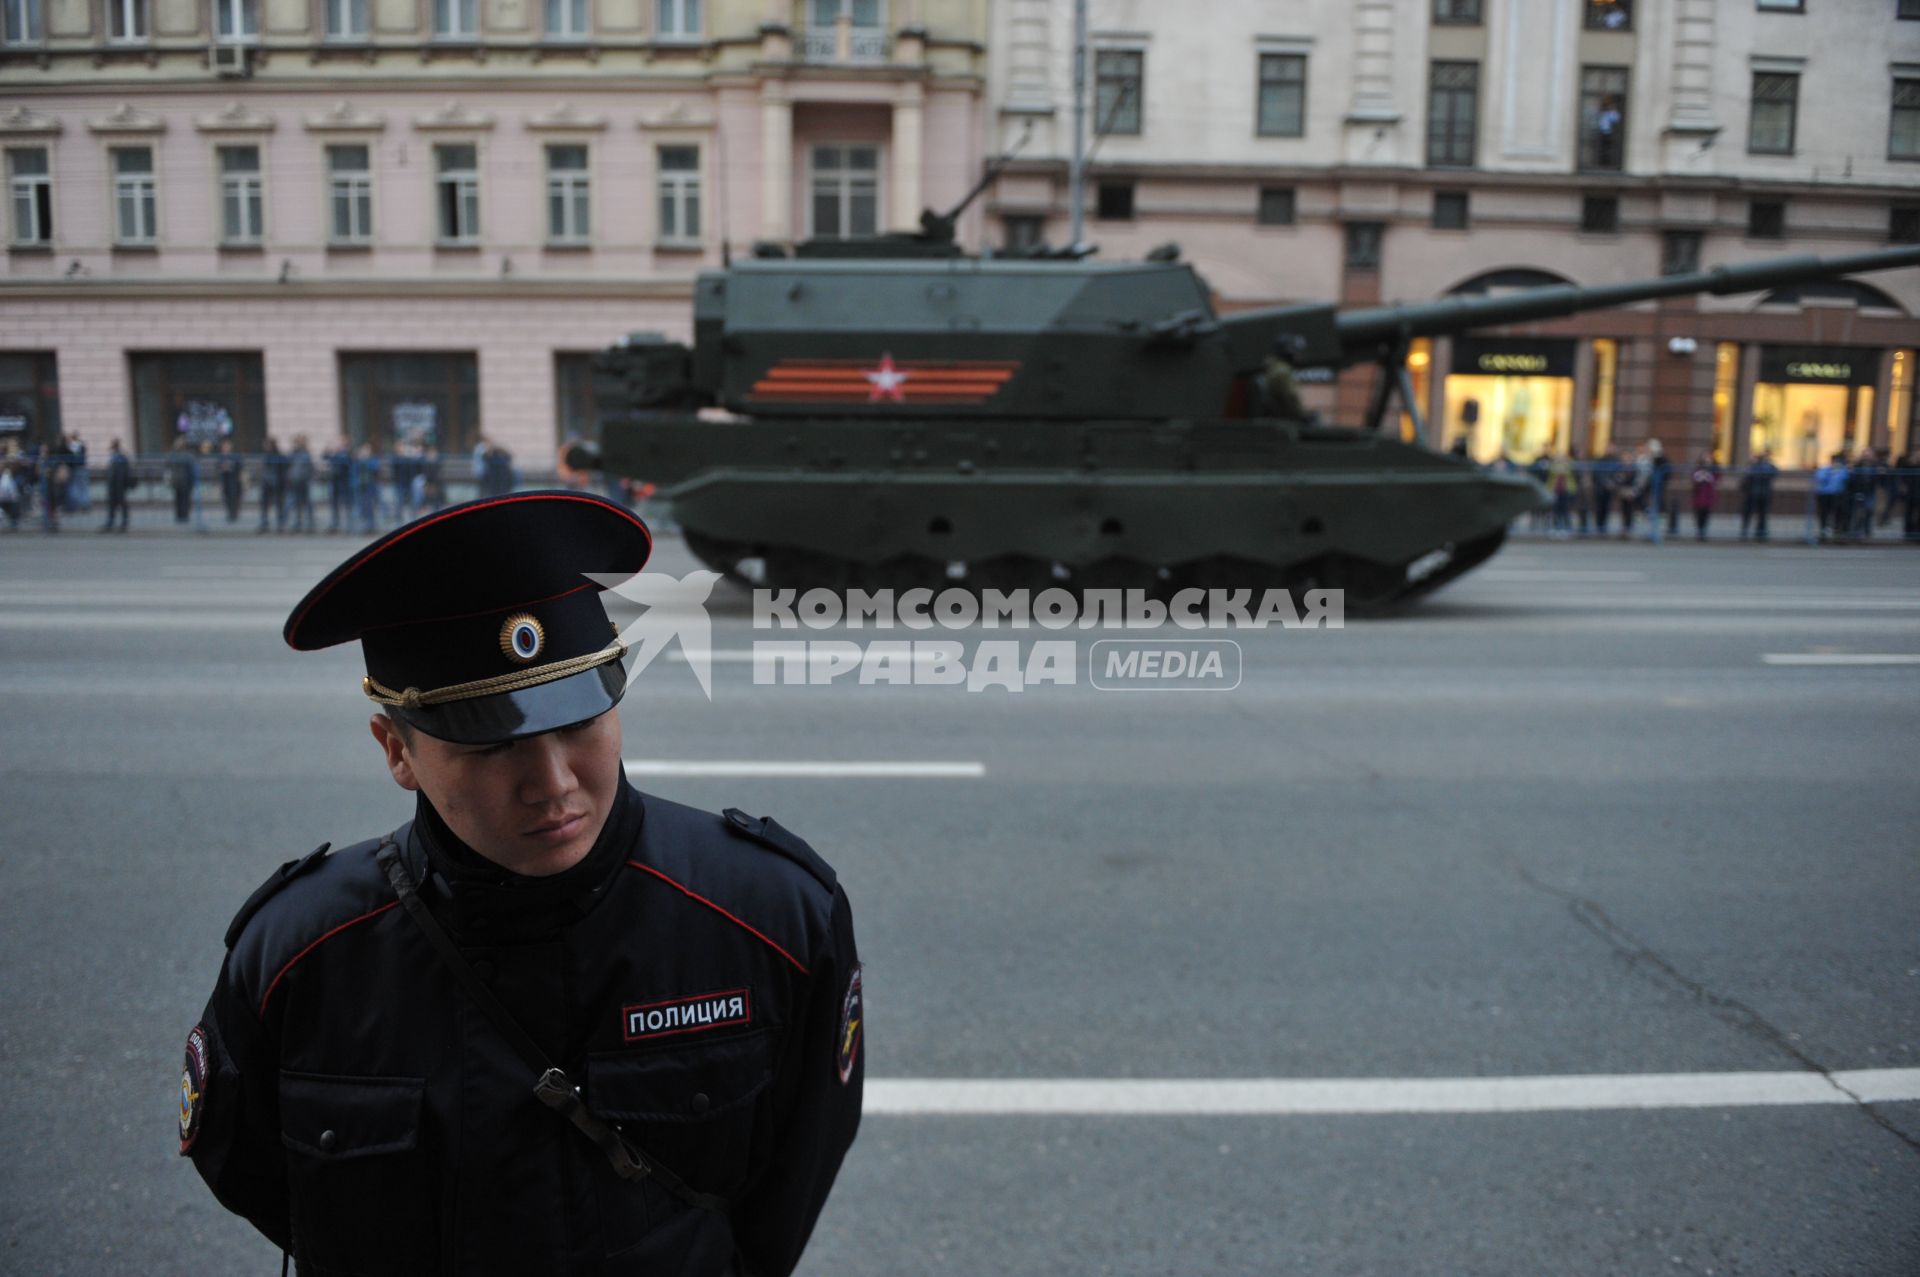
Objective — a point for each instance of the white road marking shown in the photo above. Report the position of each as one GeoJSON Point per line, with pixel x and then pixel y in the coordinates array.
{"type": "Point", "coordinates": [1840, 658]}
{"type": "Point", "coordinates": [1283, 1097]}
{"type": "Point", "coordinates": [839, 771]}
{"type": "Point", "coordinates": [1518, 576]}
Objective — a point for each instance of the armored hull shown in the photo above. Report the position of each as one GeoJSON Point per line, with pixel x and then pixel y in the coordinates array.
{"type": "Point", "coordinates": [1096, 505]}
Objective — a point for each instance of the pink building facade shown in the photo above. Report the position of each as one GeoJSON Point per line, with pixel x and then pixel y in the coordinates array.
{"type": "Point", "coordinates": [427, 244]}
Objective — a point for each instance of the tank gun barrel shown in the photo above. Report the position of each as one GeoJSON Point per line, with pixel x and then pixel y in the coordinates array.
{"type": "Point", "coordinates": [1320, 336]}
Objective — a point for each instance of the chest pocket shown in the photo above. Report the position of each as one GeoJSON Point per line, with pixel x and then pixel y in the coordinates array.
{"type": "Point", "coordinates": [697, 1107]}
{"type": "Point", "coordinates": [364, 1199]}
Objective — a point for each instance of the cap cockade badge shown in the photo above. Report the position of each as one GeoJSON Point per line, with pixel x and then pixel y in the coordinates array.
{"type": "Point", "coordinates": [521, 638]}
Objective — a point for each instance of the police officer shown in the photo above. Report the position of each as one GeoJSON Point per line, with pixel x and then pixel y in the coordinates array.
{"type": "Point", "coordinates": [551, 1024]}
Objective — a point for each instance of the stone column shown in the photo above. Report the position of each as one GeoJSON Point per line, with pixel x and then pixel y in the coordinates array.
{"type": "Point", "coordinates": [909, 197]}
{"type": "Point", "coordinates": [776, 162]}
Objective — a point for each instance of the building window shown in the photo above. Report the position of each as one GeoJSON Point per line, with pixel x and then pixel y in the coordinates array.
{"type": "Point", "coordinates": [1119, 84]}
{"type": "Point", "coordinates": [350, 194]}
{"type": "Point", "coordinates": [1456, 13]}
{"type": "Point", "coordinates": [242, 203]}
{"type": "Point", "coordinates": [866, 33]}
{"type": "Point", "coordinates": [127, 21]}
{"type": "Point", "coordinates": [457, 166]}
{"type": "Point", "coordinates": [1600, 214]}
{"type": "Point", "coordinates": [1276, 206]}
{"type": "Point", "coordinates": [1283, 95]}
{"type": "Point", "coordinates": [235, 20]}
{"type": "Point", "coordinates": [846, 191]}
{"type": "Point", "coordinates": [1903, 227]}
{"type": "Point", "coordinates": [135, 213]}
{"type": "Point", "coordinates": [201, 397]}
{"type": "Point", "coordinates": [1363, 245]}
{"type": "Point", "coordinates": [1603, 119]}
{"type": "Point", "coordinates": [1680, 252]}
{"type": "Point", "coordinates": [23, 22]}
{"type": "Point", "coordinates": [347, 19]}
{"type": "Point", "coordinates": [29, 397]}
{"type": "Point", "coordinates": [1776, 101]}
{"type": "Point", "coordinates": [1766, 219]}
{"type": "Point", "coordinates": [1903, 138]}
{"type": "Point", "coordinates": [427, 400]}
{"type": "Point", "coordinates": [1908, 9]}
{"type": "Point", "coordinates": [567, 19]}
{"type": "Point", "coordinates": [1450, 210]}
{"type": "Point", "coordinates": [1023, 231]}
{"type": "Point", "coordinates": [569, 195]}
{"type": "Point", "coordinates": [679, 194]}
{"type": "Point", "coordinates": [30, 193]}
{"type": "Point", "coordinates": [1610, 15]}
{"type": "Point", "coordinates": [1453, 113]}
{"type": "Point", "coordinates": [456, 19]}
{"type": "Point", "coordinates": [676, 20]}
{"type": "Point", "coordinates": [1784, 6]}
{"type": "Point", "coordinates": [1114, 202]}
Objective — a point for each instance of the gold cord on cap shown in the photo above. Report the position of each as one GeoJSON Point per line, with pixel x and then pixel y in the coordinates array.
{"type": "Point", "coordinates": [414, 698]}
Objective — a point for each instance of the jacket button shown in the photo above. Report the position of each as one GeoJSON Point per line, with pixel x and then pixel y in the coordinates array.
{"type": "Point", "coordinates": [700, 1102]}
{"type": "Point", "coordinates": [327, 1140]}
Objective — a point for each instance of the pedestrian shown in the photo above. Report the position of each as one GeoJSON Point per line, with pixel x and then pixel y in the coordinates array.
{"type": "Point", "coordinates": [1910, 495]}
{"type": "Point", "coordinates": [433, 491]}
{"type": "Point", "coordinates": [182, 474]}
{"type": "Point", "coordinates": [1539, 470]}
{"type": "Point", "coordinates": [1829, 496]}
{"type": "Point", "coordinates": [10, 490]}
{"type": "Point", "coordinates": [273, 486]}
{"type": "Point", "coordinates": [1561, 482]}
{"type": "Point", "coordinates": [550, 1024]}
{"type": "Point", "coordinates": [299, 500]}
{"type": "Point", "coordinates": [56, 471]}
{"type": "Point", "coordinates": [339, 459]}
{"type": "Point", "coordinates": [79, 485]}
{"type": "Point", "coordinates": [366, 487]}
{"type": "Point", "coordinates": [1756, 496]}
{"type": "Point", "coordinates": [119, 485]}
{"type": "Point", "coordinates": [1706, 487]}
{"type": "Point", "coordinates": [1639, 495]}
{"type": "Point", "coordinates": [1606, 133]}
{"type": "Point", "coordinates": [227, 467]}
{"type": "Point", "coordinates": [1604, 483]}
{"type": "Point", "coordinates": [1863, 482]}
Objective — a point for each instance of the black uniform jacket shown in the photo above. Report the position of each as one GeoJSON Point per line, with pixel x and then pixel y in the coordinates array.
{"type": "Point", "coordinates": [695, 975]}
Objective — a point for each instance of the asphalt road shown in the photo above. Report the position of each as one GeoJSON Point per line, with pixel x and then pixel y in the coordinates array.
{"type": "Point", "coordinates": [1566, 819]}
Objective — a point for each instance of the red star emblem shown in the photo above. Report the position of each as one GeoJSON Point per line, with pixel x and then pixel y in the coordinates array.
{"type": "Point", "coordinates": [887, 381]}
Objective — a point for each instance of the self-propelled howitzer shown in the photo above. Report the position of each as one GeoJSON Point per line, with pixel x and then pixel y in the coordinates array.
{"type": "Point", "coordinates": [1015, 423]}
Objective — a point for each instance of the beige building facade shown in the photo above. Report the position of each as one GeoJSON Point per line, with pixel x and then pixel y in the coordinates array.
{"type": "Point", "coordinates": [1409, 150]}
{"type": "Point", "coordinates": [414, 221]}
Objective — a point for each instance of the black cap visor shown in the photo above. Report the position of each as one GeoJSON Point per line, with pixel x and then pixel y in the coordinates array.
{"type": "Point", "coordinates": [505, 716]}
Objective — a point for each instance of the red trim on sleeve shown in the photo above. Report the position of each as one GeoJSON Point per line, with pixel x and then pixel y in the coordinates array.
{"type": "Point", "coordinates": [694, 895]}
{"type": "Point", "coordinates": [315, 945]}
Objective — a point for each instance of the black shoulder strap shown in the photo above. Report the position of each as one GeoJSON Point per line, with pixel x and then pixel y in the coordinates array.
{"type": "Point", "coordinates": [552, 1089]}
{"type": "Point", "coordinates": [768, 833]}
{"type": "Point", "coordinates": [265, 891]}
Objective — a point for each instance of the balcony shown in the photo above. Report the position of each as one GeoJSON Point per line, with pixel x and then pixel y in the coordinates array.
{"type": "Point", "coordinates": [843, 42]}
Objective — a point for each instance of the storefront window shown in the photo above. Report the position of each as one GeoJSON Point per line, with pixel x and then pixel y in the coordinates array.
{"type": "Point", "coordinates": [29, 399]}
{"type": "Point", "coordinates": [1511, 399]}
{"type": "Point", "coordinates": [1726, 384]}
{"type": "Point", "coordinates": [1900, 403]}
{"type": "Point", "coordinates": [423, 400]}
{"type": "Point", "coordinates": [1606, 376]}
{"type": "Point", "coordinates": [200, 397]}
{"type": "Point", "coordinates": [1813, 401]}
{"type": "Point", "coordinates": [574, 415]}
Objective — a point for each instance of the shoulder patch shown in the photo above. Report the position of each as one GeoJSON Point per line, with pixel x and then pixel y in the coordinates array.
{"type": "Point", "coordinates": [265, 891]}
{"type": "Point", "coordinates": [765, 831]}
